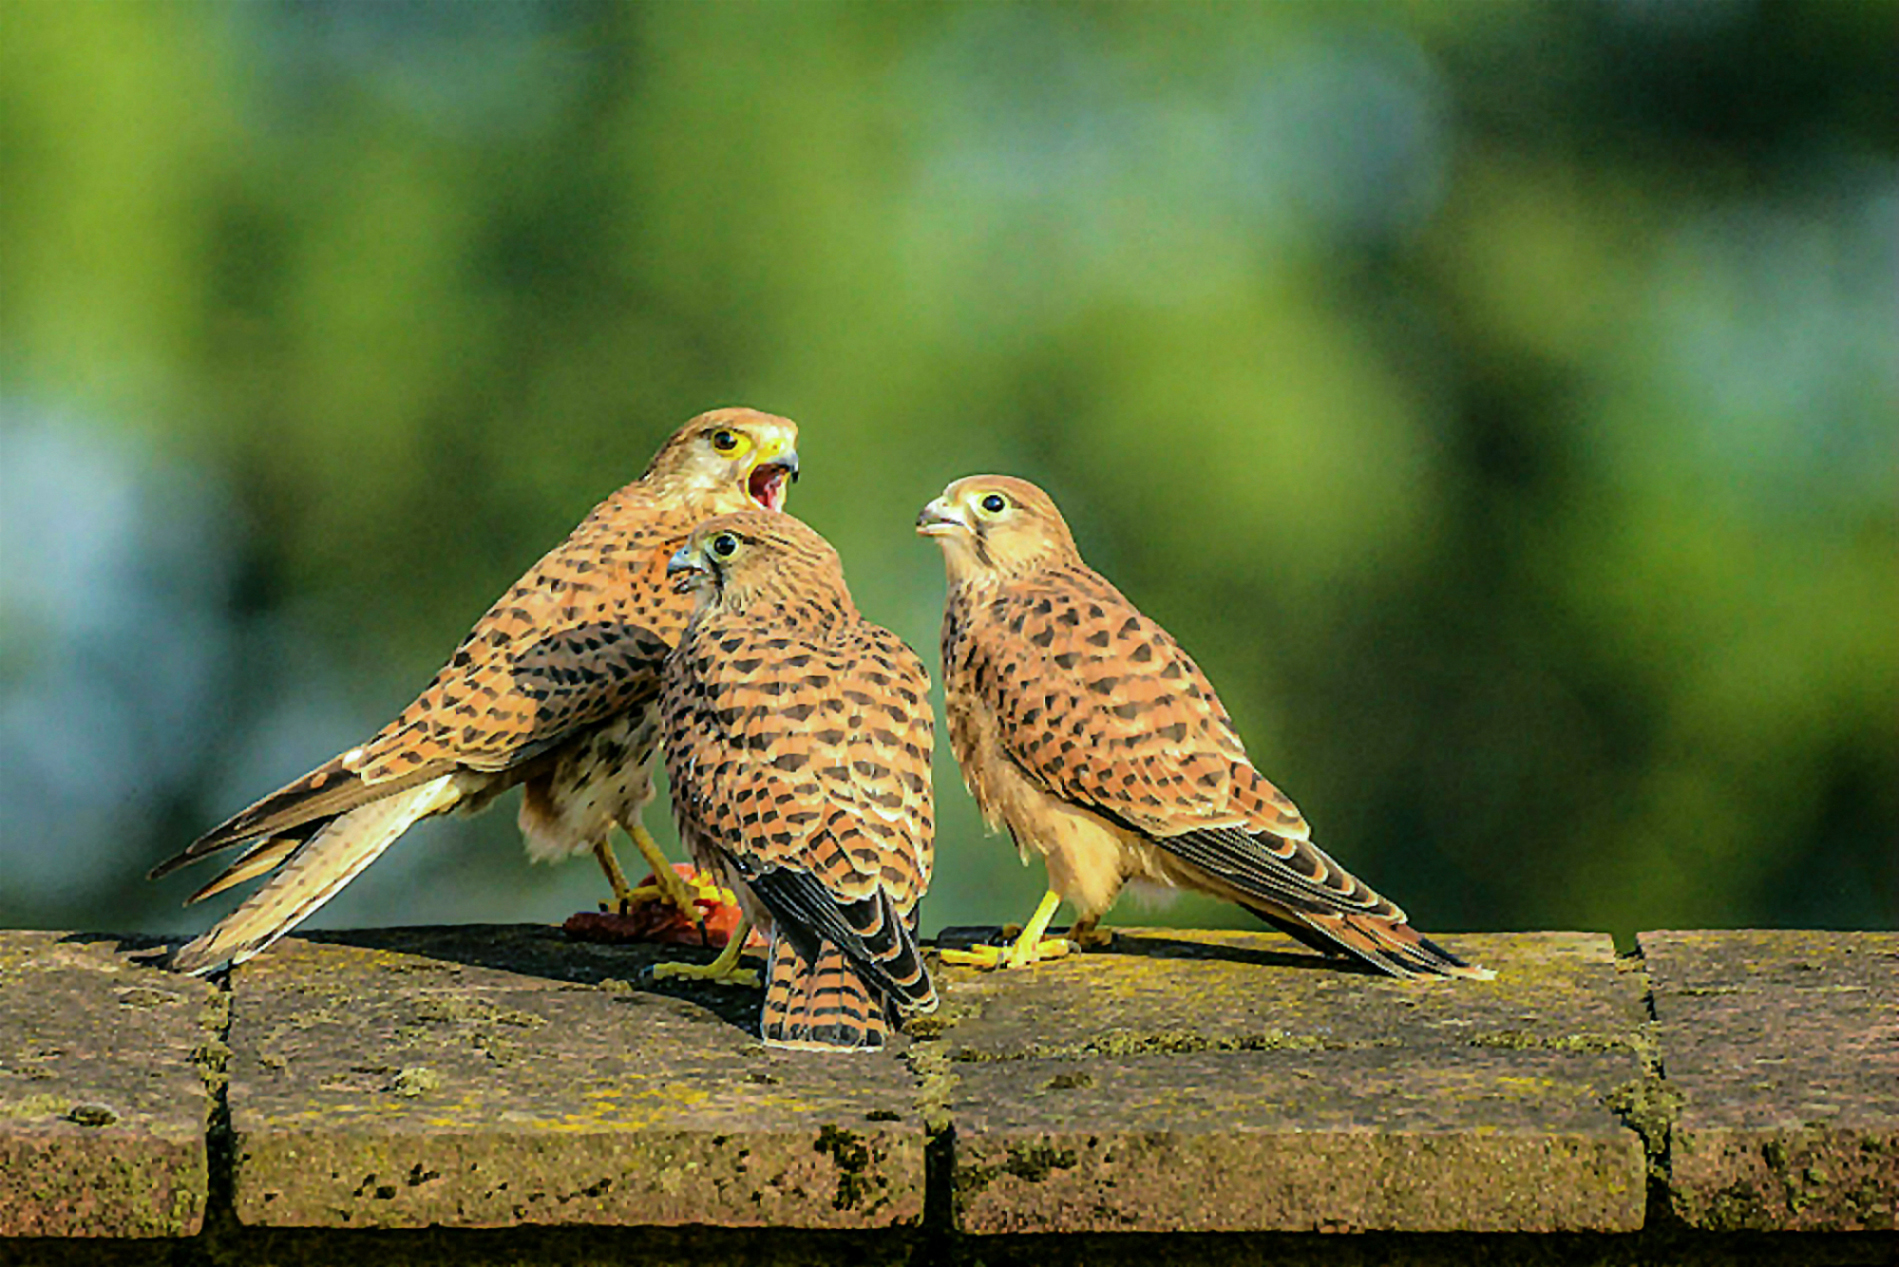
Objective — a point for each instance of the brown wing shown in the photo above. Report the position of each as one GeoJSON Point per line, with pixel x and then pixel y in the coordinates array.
{"type": "Point", "coordinates": [1105, 709]}
{"type": "Point", "coordinates": [576, 640]}
{"type": "Point", "coordinates": [808, 765]}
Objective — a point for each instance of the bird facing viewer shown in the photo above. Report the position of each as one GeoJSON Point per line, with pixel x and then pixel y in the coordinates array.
{"type": "Point", "coordinates": [798, 740]}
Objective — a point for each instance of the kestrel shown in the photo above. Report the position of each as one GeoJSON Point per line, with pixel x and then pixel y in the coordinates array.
{"type": "Point", "coordinates": [556, 688]}
{"type": "Point", "coordinates": [798, 740]}
{"type": "Point", "coordinates": [1081, 725]}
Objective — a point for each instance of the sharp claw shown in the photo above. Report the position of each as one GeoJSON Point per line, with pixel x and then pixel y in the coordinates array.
{"type": "Point", "coordinates": [975, 957]}
{"type": "Point", "coordinates": [993, 958]}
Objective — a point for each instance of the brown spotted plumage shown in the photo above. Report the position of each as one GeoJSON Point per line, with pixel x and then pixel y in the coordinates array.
{"type": "Point", "coordinates": [798, 740]}
{"type": "Point", "coordinates": [556, 688]}
{"type": "Point", "coordinates": [1087, 730]}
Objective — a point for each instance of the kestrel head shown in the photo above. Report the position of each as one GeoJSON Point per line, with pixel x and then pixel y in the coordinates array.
{"type": "Point", "coordinates": [732, 561]}
{"type": "Point", "coordinates": [731, 458]}
{"type": "Point", "coordinates": [996, 523]}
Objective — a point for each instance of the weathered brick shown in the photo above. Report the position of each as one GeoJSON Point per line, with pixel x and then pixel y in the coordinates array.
{"type": "Point", "coordinates": [103, 1099]}
{"type": "Point", "coordinates": [1784, 1049]}
{"type": "Point", "coordinates": [1233, 1082]}
{"type": "Point", "coordinates": [411, 1080]}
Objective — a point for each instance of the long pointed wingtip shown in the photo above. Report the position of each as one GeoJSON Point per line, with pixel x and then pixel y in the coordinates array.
{"type": "Point", "coordinates": [1449, 965]}
{"type": "Point", "coordinates": [168, 866]}
{"type": "Point", "coordinates": [203, 847]}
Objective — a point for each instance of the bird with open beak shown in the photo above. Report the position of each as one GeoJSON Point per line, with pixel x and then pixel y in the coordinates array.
{"type": "Point", "coordinates": [555, 689]}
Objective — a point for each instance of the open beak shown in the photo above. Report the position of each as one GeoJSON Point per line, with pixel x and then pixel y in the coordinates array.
{"type": "Point", "coordinates": [772, 478]}
{"type": "Point", "coordinates": [937, 519]}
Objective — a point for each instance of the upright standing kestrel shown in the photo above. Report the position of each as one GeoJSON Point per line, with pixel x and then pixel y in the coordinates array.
{"type": "Point", "coordinates": [798, 745]}
{"type": "Point", "coordinates": [555, 688]}
{"type": "Point", "coordinates": [1085, 728]}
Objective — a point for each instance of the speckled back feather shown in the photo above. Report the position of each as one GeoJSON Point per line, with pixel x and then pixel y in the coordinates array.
{"type": "Point", "coordinates": [798, 739]}
{"type": "Point", "coordinates": [1100, 707]}
{"type": "Point", "coordinates": [555, 686]}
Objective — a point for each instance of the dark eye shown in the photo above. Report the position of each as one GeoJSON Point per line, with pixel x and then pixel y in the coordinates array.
{"type": "Point", "coordinates": [724, 441]}
{"type": "Point", "coordinates": [724, 544]}
{"type": "Point", "coordinates": [995, 503]}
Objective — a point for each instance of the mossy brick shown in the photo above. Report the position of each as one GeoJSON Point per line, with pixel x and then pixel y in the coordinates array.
{"type": "Point", "coordinates": [1783, 1047]}
{"type": "Point", "coordinates": [103, 1096]}
{"type": "Point", "coordinates": [1231, 1081]}
{"type": "Point", "coordinates": [414, 1079]}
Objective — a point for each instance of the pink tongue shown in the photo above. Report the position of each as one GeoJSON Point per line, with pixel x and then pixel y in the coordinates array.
{"type": "Point", "coordinates": [768, 488]}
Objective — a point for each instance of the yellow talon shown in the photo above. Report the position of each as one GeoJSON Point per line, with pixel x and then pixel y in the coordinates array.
{"type": "Point", "coordinates": [721, 971]}
{"type": "Point", "coordinates": [1030, 947]}
{"type": "Point", "coordinates": [699, 886]}
{"type": "Point", "coordinates": [977, 956]}
{"type": "Point", "coordinates": [666, 886]}
{"type": "Point", "coordinates": [990, 958]}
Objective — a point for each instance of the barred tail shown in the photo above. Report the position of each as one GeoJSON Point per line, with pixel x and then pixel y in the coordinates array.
{"type": "Point", "coordinates": [312, 871]}
{"type": "Point", "coordinates": [815, 999]}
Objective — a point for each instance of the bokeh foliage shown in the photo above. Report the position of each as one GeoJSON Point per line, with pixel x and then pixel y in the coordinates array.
{"type": "Point", "coordinates": [1499, 400]}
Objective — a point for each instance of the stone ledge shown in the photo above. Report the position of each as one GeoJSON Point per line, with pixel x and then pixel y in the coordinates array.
{"type": "Point", "coordinates": [378, 1087]}
{"type": "Point", "coordinates": [1784, 1049]}
{"type": "Point", "coordinates": [1215, 1082]}
{"type": "Point", "coordinates": [1221, 1084]}
{"type": "Point", "coordinates": [103, 1096]}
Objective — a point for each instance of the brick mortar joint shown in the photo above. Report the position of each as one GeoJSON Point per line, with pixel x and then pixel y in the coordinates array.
{"type": "Point", "coordinates": [213, 1059]}
{"type": "Point", "coordinates": [1650, 1106]}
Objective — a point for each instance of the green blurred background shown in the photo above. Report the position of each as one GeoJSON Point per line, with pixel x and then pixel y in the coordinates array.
{"type": "Point", "coordinates": [1498, 399]}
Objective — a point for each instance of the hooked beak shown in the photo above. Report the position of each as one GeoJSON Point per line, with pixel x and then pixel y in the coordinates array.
{"type": "Point", "coordinates": [938, 519]}
{"type": "Point", "coordinates": [685, 569]}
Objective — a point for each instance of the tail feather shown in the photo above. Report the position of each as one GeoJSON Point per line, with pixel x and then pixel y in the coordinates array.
{"type": "Point", "coordinates": [871, 931]}
{"type": "Point", "coordinates": [327, 792]}
{"type": "Point", "coordinates": [312, 872]}
{"type": "Point", "coordinates": [266, 855]}
{"type": "Point", "coordinates": [815, 999]}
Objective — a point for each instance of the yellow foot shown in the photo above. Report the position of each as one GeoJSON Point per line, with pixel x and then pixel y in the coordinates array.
{"type": "Point", "coordinates": [1020, 955]}
{"type": "Point", "coordinates": [1029, 948]}
{"type": "Point", "coordinates": [683, 896]}
{"type": "Point", "coordinates": [721, 971]}
{"type": "Point", "coordinates": [709, 973]}
{"type": "Point", "coordinates": [616, 878]}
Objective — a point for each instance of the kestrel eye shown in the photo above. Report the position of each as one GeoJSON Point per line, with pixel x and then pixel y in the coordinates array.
{"type": "Point", "coordinates": [724, 545]}
{"type": "Point", "coordinates": [995, 503]}
{"type": "Point", "coordinates": [724, 441]}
